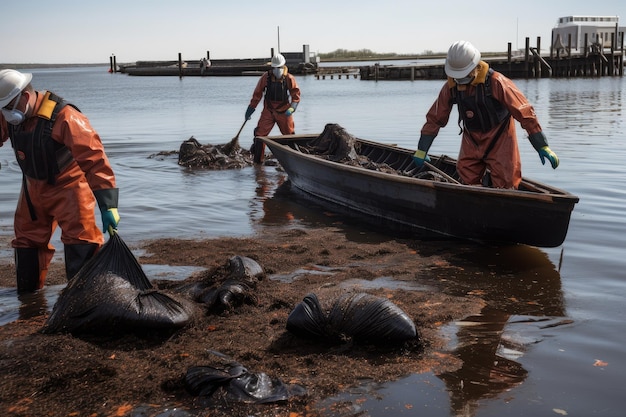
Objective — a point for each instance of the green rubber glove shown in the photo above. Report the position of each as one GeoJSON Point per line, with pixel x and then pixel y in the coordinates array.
{"type": "Point", "coordinates": [110, 220]}
{"type": "Point", "coordinates": [540, 143]}
{"type": "Point", "coordinates": [107, 202]}
{"type": "Point", "coordinates": [292, 108]}
{"type": "Point", "coordinates": [546, 152]}
{"type": "Point", "coordinates": [419, 157]}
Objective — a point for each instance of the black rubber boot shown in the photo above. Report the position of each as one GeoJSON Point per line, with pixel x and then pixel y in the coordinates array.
{"type": "Point", "coordinates": [257, 149]}
{"type": "Point", "coordinates": [76, 256]}
{"type": "Point", "coordinates": [27, 270]}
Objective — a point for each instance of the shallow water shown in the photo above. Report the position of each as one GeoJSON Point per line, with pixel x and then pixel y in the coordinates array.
{"type": "Point", "coordinates": [554, 345]}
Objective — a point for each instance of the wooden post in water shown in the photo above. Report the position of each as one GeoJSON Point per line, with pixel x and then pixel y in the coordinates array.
{"type": "Point", "coordinates": [526, 55]}
{"type": "Point", "coordinates": [180, 65]}
{"type": "Point", "coordinates": [538, 59]}
{"type": "Point", "coordinates": [621, 55]}
{"type": "Point", "coordinates": [612, 69]}
{"type": "Point", "coordinates": [569, 54]}
{"type": "Point", "coordinates": [587, 68]}
{"type": "Point", "coordinates": [509, 55]}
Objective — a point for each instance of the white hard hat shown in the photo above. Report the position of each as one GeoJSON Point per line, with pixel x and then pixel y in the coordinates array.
{"type": "Point", "coordinates": [11, 84]}
{"type": "Point", "coordinates": [462, 58]}
{"type": "Point", "coordinates": [278, 60]}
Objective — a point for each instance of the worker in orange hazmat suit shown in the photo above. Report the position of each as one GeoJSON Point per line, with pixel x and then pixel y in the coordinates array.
{"type": "Point", "coordinates": [282, 96]}
{"type": "Point", "coordinates": [488, 103]}
{"type": "Point", "coordinates": [65, 174]}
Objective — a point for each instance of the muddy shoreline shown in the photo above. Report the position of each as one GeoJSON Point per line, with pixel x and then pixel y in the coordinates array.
{"type": "Point", "coordinates": [114, 374]}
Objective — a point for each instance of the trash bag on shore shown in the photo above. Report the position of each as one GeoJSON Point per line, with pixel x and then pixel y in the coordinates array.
{"type": "Point", "coordinates": [236, 286]}
{"type": "Point", "coordinates": [238, 383]}
{"type": "Point", "coordinates": [360, 316]}
{"type": "Point", "coordinates": [111, 291]}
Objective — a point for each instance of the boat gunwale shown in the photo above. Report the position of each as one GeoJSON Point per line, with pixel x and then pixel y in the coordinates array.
{"type": "Point", "coordinates": [550, 195]}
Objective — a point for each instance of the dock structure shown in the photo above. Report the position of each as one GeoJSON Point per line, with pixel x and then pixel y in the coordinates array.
{"type": "Point", "coordinates": [299, 63]}
{"type": "Point", "coordinates": [348, 72]}
{"type": "Point", "coordinates": [563, 62]}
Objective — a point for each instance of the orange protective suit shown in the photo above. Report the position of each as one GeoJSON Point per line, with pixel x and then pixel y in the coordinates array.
{"type": "Point", "coordinates": [495, 149]}
{"type": "Point", "coordinates": [69, 202]}
{"type": "Point", "coordinates": [274, 110]}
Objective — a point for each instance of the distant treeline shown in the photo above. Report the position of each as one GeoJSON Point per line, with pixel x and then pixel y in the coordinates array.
{"type": "Point", "coordinates": [366, 54]}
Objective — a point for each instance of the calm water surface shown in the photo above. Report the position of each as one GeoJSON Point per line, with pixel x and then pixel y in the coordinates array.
{"type": "Point", "coordinates": [556, 344]}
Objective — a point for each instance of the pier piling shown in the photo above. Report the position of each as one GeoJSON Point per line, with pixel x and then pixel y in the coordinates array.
{"type": "Point", "coordinates": [561, 63]}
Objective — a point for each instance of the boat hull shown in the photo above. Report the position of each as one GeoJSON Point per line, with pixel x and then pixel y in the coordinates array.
{"type": "Point", "coordinates": [451, 209]}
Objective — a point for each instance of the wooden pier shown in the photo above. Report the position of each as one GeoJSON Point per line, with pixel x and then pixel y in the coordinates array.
{"type": "Point", "coordinates": [561, 63]}
{"type": "Point", "coordinates": [299, 63]}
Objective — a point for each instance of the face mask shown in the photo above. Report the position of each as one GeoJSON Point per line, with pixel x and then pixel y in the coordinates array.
{"type": "Point", "coordinates": [14, 116]}
{"type": "Point", "coordinates": [464, 81]}
{"type": "Point", "coordinates": [278, 72]}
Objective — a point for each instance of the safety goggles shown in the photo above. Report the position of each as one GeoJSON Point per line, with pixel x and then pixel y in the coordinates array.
{"type": "Point", "coordinates": [9, 109]}
{"type": "Point", "coordinates": [12, 105]}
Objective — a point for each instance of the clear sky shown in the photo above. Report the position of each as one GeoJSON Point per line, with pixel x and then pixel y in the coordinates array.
{"type": "Point", "coordinates": [87, 31]}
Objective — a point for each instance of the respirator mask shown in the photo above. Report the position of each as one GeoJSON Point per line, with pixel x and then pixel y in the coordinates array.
{"type": "Point", "coordinates": [464, 80]}
{"type": "Point", "coordinates": [278, 72]}
{"type": "Point", "coordinates": [15, 116]}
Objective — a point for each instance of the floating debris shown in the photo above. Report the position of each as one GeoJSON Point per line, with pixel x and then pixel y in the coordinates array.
{"type": "Point", "coordinates": [193, 154]}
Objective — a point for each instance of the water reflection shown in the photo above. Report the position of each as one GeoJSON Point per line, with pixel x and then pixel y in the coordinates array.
{"type": "Point", "coordinates": [32, 305]}
{"type": "Point", "coordinates": [14, 306]}
{"type": "Point", "coordinates": [484, 373]}
{"type": "Point", "coordinates": [525, 304]}
{"type": "Point", "coordinates": [522, 289]}
{"type": "Point", "coordinates": [599, 105]}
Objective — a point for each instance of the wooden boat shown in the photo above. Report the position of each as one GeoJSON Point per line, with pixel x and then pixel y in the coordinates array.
{"type": "Point", "coordinates": [384, 184]}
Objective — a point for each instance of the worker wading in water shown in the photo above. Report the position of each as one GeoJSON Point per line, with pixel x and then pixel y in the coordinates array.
{"type": "Point", "coordinates": [282, 96]}
{"type": "Point", "coordinates": [65, 174]}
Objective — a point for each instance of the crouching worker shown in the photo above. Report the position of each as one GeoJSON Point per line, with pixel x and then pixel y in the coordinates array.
{"type": "Point", "coordinates": [65, 174]}
{"type": "Point", "coordinates": [488, 105]}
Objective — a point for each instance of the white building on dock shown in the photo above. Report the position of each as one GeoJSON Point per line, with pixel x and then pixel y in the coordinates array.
{"type": "Point", "coordinates": [600, 31]}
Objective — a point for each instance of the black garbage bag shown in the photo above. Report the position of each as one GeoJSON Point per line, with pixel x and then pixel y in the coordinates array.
{"type": "Point", "coordinates": [360, 316]}
{"type": "Point", "coordinates": [238, 383]}
{"type": "Point", "coordinates": [228, 287]}
{"type": "Point", "coordinates": [111, 291]}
